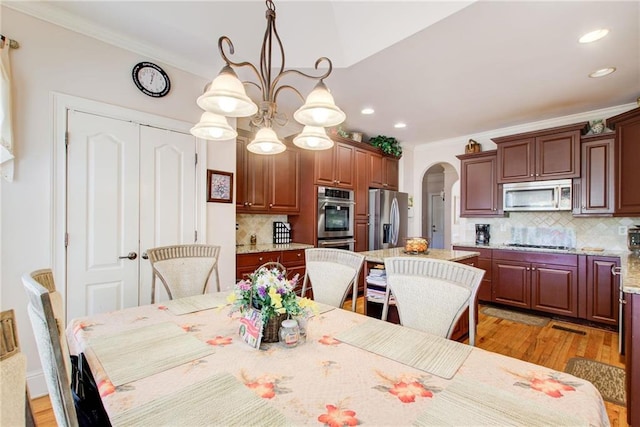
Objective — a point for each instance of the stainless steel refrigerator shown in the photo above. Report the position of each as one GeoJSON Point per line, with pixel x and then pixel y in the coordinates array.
{"type": "Point", "coordinates": [388, 216]}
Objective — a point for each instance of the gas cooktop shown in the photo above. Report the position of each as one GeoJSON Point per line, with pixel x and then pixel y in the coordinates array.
{"type": "Point", "coordinates": [523, 245]}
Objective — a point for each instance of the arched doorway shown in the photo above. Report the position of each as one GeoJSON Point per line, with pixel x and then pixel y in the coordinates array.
{"type": "Point", "coordinates": [436, 204]}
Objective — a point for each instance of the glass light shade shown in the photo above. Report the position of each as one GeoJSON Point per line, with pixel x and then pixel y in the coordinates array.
{"type": "Point", "coordinates": [313, 138]}
{"type": "Point", "coordinates": [213, 127]}
{"type": "Point", "coordinates": [266, 142]}
{"type": "Point", "coordinates": [226, 96]}
{"type": "Point", "coordinates": [319, 109]}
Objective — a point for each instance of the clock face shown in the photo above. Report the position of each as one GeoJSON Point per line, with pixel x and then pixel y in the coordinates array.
{"type": "Point", "coordinates": [151, 79]}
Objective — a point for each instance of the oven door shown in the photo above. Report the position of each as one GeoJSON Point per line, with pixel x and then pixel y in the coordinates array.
{"type": "Point", "coordinates": [347, 244]}
{"type": "Point", "coordinates": [335, 219]}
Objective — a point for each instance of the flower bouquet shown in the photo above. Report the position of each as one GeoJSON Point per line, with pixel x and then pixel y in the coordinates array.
{"type": "Point", "coordinates": [268, 291]}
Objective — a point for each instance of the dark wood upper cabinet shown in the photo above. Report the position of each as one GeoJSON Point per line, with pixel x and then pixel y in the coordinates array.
{"type": "Point", "coordinates": [540, 155]}
{"type": "Point", "coordinates": [627, 159]}
{"type": "Point", "coordinates": [284, 182]}
{"type": "Point", "coordinates": [593, 193]}
{"type": "Point", "coordinates": [480, 195]}
{"type": "Point", "coordinates": [361, 192]}
{"type": "Point", "coordinates": [334, 167]}
{"type": "Point", "coordinates": [383, 172]}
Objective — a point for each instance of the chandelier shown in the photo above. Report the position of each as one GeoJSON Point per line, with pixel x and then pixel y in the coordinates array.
{"type": "Point", "coordinates": [226, 97]}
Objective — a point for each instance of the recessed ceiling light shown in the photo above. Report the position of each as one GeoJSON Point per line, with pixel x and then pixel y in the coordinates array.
{"type": "Point", "coordinates": [367, 111]}
{"type": "Point", "coordinates": [602, 72]}
{"type": "Point", "coordinates": [400, 125]}
{"type": "Point", "coordinates": [593, 36]}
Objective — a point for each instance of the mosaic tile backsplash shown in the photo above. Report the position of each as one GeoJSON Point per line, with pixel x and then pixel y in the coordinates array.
{"type": "Point", "coordinates": [550, 228]}
{"type": "Point", "coordinates": [260, 225]}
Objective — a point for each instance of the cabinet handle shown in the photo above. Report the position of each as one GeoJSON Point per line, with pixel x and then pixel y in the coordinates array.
{"type": "Point", "coordinates": [246, 203]}
{"type": "Point", "coordinates": [531, 175]}
{"type": "Point", "coordinates": [250, 204]}
{"type": "Point", "coordinates": [528, 269]}
{"type": "Point", "coordinates": [270, 205]}
{"type": "Point", "coordinates": [616, 271]}
{"type": "Point", "coordinates": [537, 174]}
{"type": "Point", "coordinates": [533, 269]}
{"type": "Point", "coordinates": [583, 206]}
{"type": "Point", "coordinates": [260, 258]}
{"type": "Point", "coordinates": [622, 301]}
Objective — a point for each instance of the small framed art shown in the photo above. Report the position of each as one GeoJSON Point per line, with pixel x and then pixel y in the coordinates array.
{"type": "Point", "coordinates": [220, 186]}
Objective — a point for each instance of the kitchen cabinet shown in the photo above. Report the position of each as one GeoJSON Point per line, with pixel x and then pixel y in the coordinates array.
{"type": "Point", "coordinates": [540, 155]}
{"type": "Point", "coordinates": [267, 184]}
{"type": "Point", "coordinates": [593, 193]}
{"type": "Point", "coordinates": [540, 281]}
{"type": "Point", "coordinates": [627, 155]}
{"type": "Point", "coordinates": [383, 172]}
{"type": "Point", "coordinates": [602, 289]}
{"type": "Point", "coordinates": [483, 262]}
{"type": "Point", "coordinates": [335, 167]}
{"type": "Point", "coordinates": [632, 359]}
{"type": "Point", "coordinates": [480, 194]}
{"type": "Point", "coordinates": [292, 260]}
{"type": "Point", "coordinates": [361, 192]}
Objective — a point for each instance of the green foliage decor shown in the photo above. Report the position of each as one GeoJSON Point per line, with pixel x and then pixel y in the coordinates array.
{"type": "Point", "coordinates": [387, 144]}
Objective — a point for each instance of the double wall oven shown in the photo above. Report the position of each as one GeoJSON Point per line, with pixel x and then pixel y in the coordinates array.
{"type": "Point", "coordinates": [336, 218]}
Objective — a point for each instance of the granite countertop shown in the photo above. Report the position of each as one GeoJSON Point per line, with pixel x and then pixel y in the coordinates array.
{"type": "Point", "coordinates": [445, 254]}
{"type": "Point", "coordinates": [270, 247]}
{"type": "Point", "coordinates": [629, 262]}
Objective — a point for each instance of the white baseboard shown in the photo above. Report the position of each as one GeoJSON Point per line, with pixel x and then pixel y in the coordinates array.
{"type": "Point", "coordinates": [37, 384]}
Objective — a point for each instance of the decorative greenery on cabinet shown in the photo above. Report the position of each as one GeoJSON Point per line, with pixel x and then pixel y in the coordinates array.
{"type": "Point", "coordinates": [387, 144]}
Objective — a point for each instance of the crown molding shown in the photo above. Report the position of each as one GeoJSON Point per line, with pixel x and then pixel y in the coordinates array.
{"type": "Point", "coordinates": [46, 12]}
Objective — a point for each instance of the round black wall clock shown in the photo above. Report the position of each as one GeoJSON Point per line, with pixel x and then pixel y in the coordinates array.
{"type": "Point", "coordinates": [151, 79]}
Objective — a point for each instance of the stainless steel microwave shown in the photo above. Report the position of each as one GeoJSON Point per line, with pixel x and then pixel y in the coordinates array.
{"type": "Point", "coordinates": [538, 196]}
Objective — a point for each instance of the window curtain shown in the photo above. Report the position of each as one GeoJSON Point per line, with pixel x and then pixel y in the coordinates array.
{"type": "Point", "coordinates": [6, 130]}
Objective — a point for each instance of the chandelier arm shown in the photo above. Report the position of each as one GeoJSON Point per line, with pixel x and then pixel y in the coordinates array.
{"type": "Point", "coordinates": [275, 94]}
{"type": "Point", "coordinates": [239, 64]}
{"type": "Point", "coordinates": [309, 76]}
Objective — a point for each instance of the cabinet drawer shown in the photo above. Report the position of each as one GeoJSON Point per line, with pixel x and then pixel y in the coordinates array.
{"type": "Point", "coordinates": [294, 257]}
{"type": "Point", "coordinates": [536, 257]}
{"type": "Point", "coordinates": [248, 260]}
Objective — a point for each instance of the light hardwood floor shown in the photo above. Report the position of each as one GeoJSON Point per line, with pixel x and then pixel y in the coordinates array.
{"type": "Point", "coordinates": [544, 346]}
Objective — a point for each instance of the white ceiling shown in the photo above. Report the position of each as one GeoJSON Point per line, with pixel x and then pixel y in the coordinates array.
{"type": "Point", "coordinates": [445, 68]}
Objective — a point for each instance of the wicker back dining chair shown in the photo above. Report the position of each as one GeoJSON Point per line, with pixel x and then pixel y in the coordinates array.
{"type": "Point", "coordinates": [46, 311]}
{"type": "Point", "coordinates": [331, 273]}
{"type": "Point", "coordinates": [432, 294]}
{"type": "Point", "coordinates": [184, 270]}
{"type": "Point", "coordinates": [14, 394]}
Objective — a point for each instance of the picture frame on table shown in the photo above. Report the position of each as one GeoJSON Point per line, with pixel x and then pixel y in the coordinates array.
{"type": "Point", "coordinates": [219, 186]}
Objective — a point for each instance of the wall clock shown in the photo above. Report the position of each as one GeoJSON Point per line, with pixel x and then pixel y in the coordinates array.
{"type": "Point", "coordinates": [151, 79]}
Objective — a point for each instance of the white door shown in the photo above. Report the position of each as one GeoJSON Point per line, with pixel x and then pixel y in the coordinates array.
{"type": "Point", "coordinates": [437, 221]}
{"type": "Point", "coordinates": [130, 187]}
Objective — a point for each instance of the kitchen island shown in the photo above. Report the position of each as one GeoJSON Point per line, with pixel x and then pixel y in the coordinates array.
{"type": "Point", "coordinates": [378, 256]}
{"type": "Point", "coordinates": [630, 276]}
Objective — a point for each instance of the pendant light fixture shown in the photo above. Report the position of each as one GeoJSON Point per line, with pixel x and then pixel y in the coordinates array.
{"type": "Point", "coordinates": [226, 97]}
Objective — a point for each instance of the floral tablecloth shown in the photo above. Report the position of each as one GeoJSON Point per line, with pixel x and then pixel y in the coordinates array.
{"type": "Point", "coordinates": [322, 380]}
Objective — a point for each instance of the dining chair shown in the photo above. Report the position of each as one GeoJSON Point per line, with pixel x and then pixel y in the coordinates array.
{"type": "Point", "coordinates": [432, 294]}
{"type": "Point", "coordinates": [184, 270]}
{"type": "Point", "coordinates": [14, 393]}
{"type": "Point", "coordinates": [331, 273]}
{"type": "Point", "coordinates": [46, 311]}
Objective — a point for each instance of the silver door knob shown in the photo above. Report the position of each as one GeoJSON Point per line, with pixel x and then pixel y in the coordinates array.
{"type": "Point", "coordinates": [130, 255]}
{"type": "Point", "coordinates": [144, 255]}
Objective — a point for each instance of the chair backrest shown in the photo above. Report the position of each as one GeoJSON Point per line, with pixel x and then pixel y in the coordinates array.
{"type": "Point", "coordinates": [184, 270]}
{"type": "Point", "coordinates": [46, 312]}
{"type": "Point", "coordinates": [332, 272]}
{"type": "Point", "coordinates": [15, 407]}
{"type": "Point", "coordinates": [432, 294]}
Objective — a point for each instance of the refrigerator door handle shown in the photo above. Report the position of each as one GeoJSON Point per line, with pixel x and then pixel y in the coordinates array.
{"type": "Point", "coordinates": [395, 221]}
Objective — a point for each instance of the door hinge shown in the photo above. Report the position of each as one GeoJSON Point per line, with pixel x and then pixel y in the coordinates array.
{"type": "Point", "coordinates": [66, 240]}
{"type": "Point", "coordinates": [195, 236]}
{"type": "Point", "coordinates": [66, 139]}
{"type": "Point", "coordinates": [196, 159]}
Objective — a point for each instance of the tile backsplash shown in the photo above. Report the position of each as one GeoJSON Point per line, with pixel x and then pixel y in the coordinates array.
{"type": "Point", "coordinates": [527, 226]}
{"type": "Point", "coordinates": [260, 225]}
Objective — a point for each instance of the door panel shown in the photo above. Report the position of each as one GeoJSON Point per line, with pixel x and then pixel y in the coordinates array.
{"type": "Point", "coordinates": [102, 214]}
{"type": "Point", "coordinates": [512, 283]}
{"type": "Point", "coordinates": [437, 221]}
{"type": "Point", "coordinates": [555, 289]}
{"type": "Point", "coordinates": [167, 196]}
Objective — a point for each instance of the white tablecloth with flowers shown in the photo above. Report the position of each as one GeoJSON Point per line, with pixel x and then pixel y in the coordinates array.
{"type": "Point", "coordinates": [321, 381]}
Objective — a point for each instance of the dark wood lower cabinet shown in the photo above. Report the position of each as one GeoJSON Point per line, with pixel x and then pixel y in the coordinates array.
{"type": "Point", "coordinates": [292, 260]}
{"type": "Point", "coordinates": [554, 289]}
{"type": "Point", "coordinates": [632, 352]}
{"type": "Point", "coordinates": [484, 263]}
{"type": "Point", "coordinates": [602, 289]}
{"type": "Point", "coordinates": [512, 283]}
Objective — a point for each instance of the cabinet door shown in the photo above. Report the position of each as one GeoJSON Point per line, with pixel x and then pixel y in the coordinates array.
{"type": "Point", "coordinates": [484, 293]}
{"type": "Point", "coordinates": [252, 179]}
{"type": "Point", "coordinates": [516, 160]}
{"type": "Point", "coordinates": [512, 283]}
{"type": "Point", "coordinates": [360, 234]}
{"type": "Point", "coordinates": [602, 290]}
{"type": "Point", "coordinates": [362, 186]}
{"type": "Point", "coordinates": [554, 289]}
{"type": "Point", "coordinates": [627, 154]}
{"type": "Point", "coordinates": [478, 188]}
{"type": "Point", "coordinates": [558, 156]}
{"type": "Point", "coordinates": [390, 167]}
{"type": "Point", "coordinates": [344, 166]}
{"type": "Point", "coordinates": [324, 166]}
{"type": "Point", "coordinates": [376, 173]}
{"type": "Point", "coordinates": [242, 201]}
{"type": "Point", "coordinates": [596, 192]}
{"type": "Point", "coordinates": [284, 182]}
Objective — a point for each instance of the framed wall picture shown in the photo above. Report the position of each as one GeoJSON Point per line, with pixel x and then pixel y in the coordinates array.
{"type": "Point", "coordinates": [220, 185]}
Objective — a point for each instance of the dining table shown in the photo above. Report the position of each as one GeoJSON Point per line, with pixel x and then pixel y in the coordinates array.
{"type": "Point", "coordinates": [183, 362]}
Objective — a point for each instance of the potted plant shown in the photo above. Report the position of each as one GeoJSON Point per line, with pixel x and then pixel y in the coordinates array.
{"type": "Point", "coordinates": [387, 144]}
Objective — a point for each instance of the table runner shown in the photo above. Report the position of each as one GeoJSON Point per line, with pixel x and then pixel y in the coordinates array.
{"type": "Point", "coordinates": [195, 303]}
{"type": "Point", "coordinates": [435, 355]}
{"type": "Point", "coordinates": [200, 405]}
{"type": "Point", "coordinates": [469, 400]}
{"type": "Point", "coordinates": [138, 353]}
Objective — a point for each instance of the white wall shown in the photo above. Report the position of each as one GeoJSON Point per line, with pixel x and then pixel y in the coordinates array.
{"type": "Point", "coordinates": [53, 59]}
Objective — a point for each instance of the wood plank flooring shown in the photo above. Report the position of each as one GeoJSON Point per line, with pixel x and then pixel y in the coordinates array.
{"type": "Point", "coordinates": [544, 346]}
